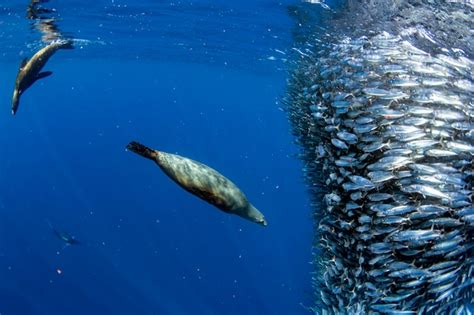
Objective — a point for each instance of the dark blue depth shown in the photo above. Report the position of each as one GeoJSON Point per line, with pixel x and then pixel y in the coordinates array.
{"type": "Point", "coordinates": [147, 246]}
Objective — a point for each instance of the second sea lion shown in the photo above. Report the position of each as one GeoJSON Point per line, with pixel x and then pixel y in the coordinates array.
{"type": "Point", "coordinates": [203, 182]}
{"type": "Point", "coordinates": [67, 238]}
{"type": "Point", "coordinates": [29, 71]}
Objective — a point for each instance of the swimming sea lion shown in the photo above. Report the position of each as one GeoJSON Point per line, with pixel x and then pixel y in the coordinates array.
{"type": "Point", "coordinates": [63, 236]}
{"type": "Point", "coordinates": [66, 237]}
{"type": "Point", "coordinates": [29, 71]}
{"type": "Point", "coordinates": [203, 182]}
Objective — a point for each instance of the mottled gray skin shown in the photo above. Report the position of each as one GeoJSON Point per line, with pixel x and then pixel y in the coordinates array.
{"type": "Point", "coordinates": [30, 70]}
{"type": "Point", "coordinates": [203, 182]}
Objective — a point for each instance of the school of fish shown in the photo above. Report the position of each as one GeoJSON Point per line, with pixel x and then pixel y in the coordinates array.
{"type": "Point", "coordinates": [386, 133]}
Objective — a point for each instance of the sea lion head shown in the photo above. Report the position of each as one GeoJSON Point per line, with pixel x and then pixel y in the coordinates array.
{"type": "Point", "coordinates": [251, 213]}
{"type": "Point", "coordinates": [15, 101]}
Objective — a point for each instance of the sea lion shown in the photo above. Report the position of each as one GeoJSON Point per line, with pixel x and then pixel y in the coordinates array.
{"type": "Point", "coordinates": [63, 236]}
{"type": "Point", "coordinates": [203, 182]}
{"type": "Point", "coordinates": [66, 237]}
{"type": "Point", "coordinates": [29, 71]}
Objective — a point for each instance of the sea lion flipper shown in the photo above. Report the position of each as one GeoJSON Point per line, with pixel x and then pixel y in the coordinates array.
{"type": "Point", "coordinates": [43, 74]}
{"type": "Point", "coordinates": [142, 150]}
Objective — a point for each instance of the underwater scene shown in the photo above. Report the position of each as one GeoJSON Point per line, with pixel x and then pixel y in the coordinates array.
{"type": "Point", "coordinates": [250, 157]}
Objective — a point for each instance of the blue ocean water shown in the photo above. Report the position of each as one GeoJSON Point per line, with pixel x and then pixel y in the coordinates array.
{"type": "Point", "coordinates": [203, 79]}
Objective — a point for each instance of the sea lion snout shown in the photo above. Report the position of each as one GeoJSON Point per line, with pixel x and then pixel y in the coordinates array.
{"type": "Point", "coordinates": [15, 101]}
{"type": "Point", "coordinates": [254, 215]}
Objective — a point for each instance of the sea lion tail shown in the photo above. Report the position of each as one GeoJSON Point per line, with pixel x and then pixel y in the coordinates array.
{"type": "Point", "coordinates": [142, 150]}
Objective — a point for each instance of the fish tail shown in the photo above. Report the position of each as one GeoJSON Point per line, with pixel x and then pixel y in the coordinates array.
{"type": "Point", "coordinates": [142, 150]}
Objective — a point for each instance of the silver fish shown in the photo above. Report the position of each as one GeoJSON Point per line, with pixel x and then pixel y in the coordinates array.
{"type": "Point", "coordinates": [413, 235]}
{"type": "Point", "coordinates": [409, 273]}
{"type": "Point", "coordinates": [380, 176]}
{"type": "Point", "coordinates": [347, 137]}
{"type": "Point", "coordinates": [339, 144]}
{"type": "Point", "coordinates": [421, 144]}
{"type": "Point", "coordinates": [440, 153]}
{"type": "Point", "coordinates": [425, 191]}
{"type": "Point", "coordinates": [389, 163]}
{"type": "Point", "coordinates": [379, 197]}
{"type": "Point", "coordinates": [398, 210]}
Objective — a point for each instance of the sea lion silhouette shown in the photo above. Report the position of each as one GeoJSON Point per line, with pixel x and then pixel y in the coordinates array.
{"type": "Point", "coordinates": [203, 182]}
{"type": "Point", "coordinates": [29, 71]}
